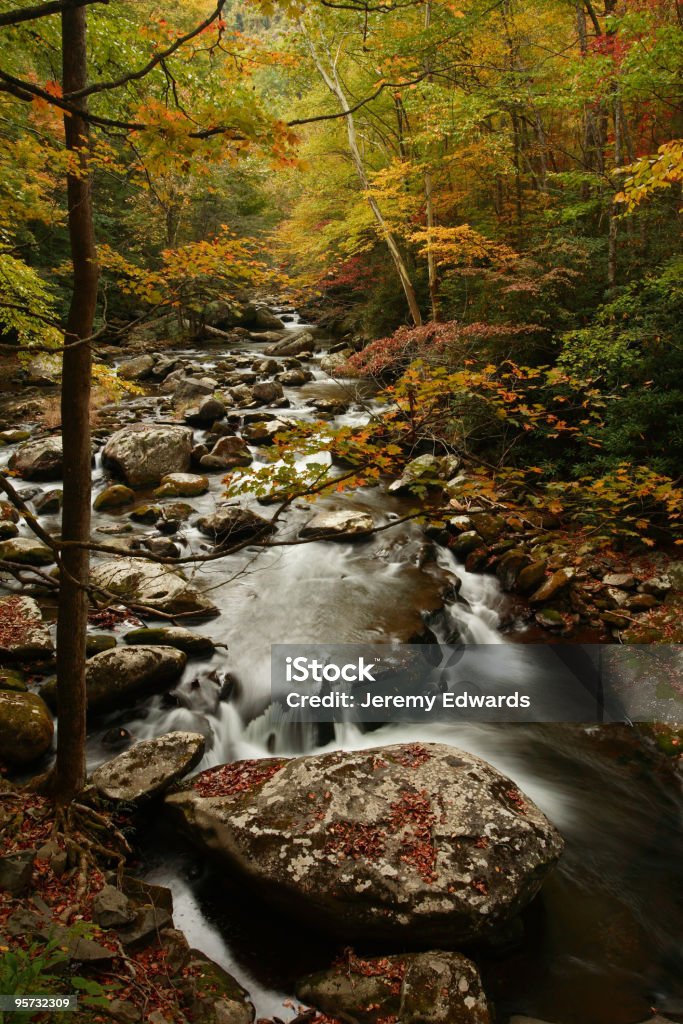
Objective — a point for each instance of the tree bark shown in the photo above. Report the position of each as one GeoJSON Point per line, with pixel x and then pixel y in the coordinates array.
{"type": "Point", "coordinates": [72, 617]}
{"type": "Point", "coordinates": [429, 203]}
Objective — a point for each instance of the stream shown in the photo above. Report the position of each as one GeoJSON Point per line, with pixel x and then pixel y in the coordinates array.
{"type": "Point", "coordinates": [603, 945]}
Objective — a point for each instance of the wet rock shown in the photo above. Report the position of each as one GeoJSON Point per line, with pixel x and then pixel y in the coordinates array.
{"type": "Point", "coordinates": [339, 525]}
{"type": "Point", "coordinates": [206, 413]}
{"type": "Point", "coordinates": [164, 547]}
{"type": "Point", "coordinates": [188, 388]}
{"type": "Point", "coordinates": [171, 636]}
{"type": "Point", "coordinates": [8, 513]}
{"type": "Point", "coordinates": [295, 345]}
{"type": "Point", "coordinates": [149, 768]}
{"type": "Point", "coordinates": [12, 680]}
{"type": "Point", "coordinates": [212, 996]}
{"type": "Point", "coordinates": [336, 363]}
{"type": "Point", "coordinates": [242, 397]}
{"type": "Point", "coordinates": [425, 471]}
{"type": "Point", "coordinates": [156, 587]}
{"type": "Point", "coordinates": [96, 643]}
{"type": "Point", "coordinates": [227, 453]}
{"type": "Point", "coordinates": [424, 843]}
{"type": "Point", "coordinates": [23, 634]}
{"type": "Point", "coordinates": [114, 496]}
{"type": "Point", "coordinates": [116, 738]}
{"type": "Point", "coordinates": [295, 378]}
{"type": "Point", "coordinates": [465, 542]}
{"type": "Point", "coordinates": [26, 551]}
{"type": "Point", "coordinates": [415, 988]}
{"type": "Point", "coordinates": [549, 618]}
{"type": "Point", "coordinates": [230, 524]}
{"type": "Point", "coordinates": [531, 577]}
{"type": "Point", "coordinates": [16, 871]}
{"type": "Point", "coordinates": [264, 320]}
{"type": "Point", "coordinates": [8, 529]}
{"type": "Point", "coordinates": [268, 392]}
{"type": "Point", "coordinates": [182, 485]}
{"type": "Point", "coordinates": [330, 406]}
{"type": "Point", "coordinates": [619, 621]}
{"type": "Point", "coordinates": [123, 674]}
{"type": "Point", "coordinates": [143, 454]}
{"type": "Point", "coordinates": [38, 460]}
{"type": "Point", "coordinates": [552, 587]}
{"type": "Point", "coordinates": [14, 436]}
{"type": "Point", "coordinates": [621, 580]}
{"type": "Point", "coordinates": [263, 433]}
{"type": "Point", "coordinates": [658, 586]}
{"type": "Point", "coordinates": [49, 503]}
{"type": "Point", "coordinates": [111, 908]}
{"type": "Point", "coordinates": [641, 602]}
{"type": "Point", "coordinates": [138, 368]}
{"type": "Point", "coordinates": [26, 728]}
{"type": "Point", "coordinates": [266, 366]}
{"type": "Point", "coordinates": [510, 566]}
{"type": "Point", "coordinates": [488, 526]}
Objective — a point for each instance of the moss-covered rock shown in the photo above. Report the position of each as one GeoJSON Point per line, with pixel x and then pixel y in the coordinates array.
{"type": "Point", "coordinates": [26, 728]}
{"type": "Point", "coordinates": [23, 634]}
{"type": "Point", "coordinates": [26, 551]}
{"type": "Point", "coordinates": [171, 636]}
{"type": "Point", "coordinates": [115, 496]}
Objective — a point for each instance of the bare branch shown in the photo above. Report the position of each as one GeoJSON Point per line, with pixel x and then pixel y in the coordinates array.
{"type": "Point", "coordinates": [22, 14]}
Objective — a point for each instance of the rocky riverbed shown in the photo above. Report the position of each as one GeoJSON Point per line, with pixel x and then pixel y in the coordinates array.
{"type": "Point", "coordinates": [190, 654]}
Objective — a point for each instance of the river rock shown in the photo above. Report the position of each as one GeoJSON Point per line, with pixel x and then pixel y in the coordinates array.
{"type": "Point", "coordinates": [38, 460]}
{"type": "Point", "coordinates": [139, 581]}
{"type": "Point", "coordinates": [294, 378]}
{"type": "Point", "coordinates": [531, 577]}
{"type": "Point", "coordinates": [143, 454]}
{"type": "Point", "coordinates": [418, 843]}
{"type": "Point", "coordinates": [8, 513]}
{"type": "Point", "coordinates": [206, 413]}
{"type": "Point", "coordinates": [267, 392]}
{"type": "Point", "coordinates": [339, 525]}
{"type": "Point", "coordinates": [114, 496]}
{"type": "Point", "coordinates": [26, 727]}
{"type": "Point", "coordinates": [48, 503]}
{"type": "Point", "coordinates": [26, 551]}
{"type": "Point", "coordinates": [149, 768]}
{"type": "Point", "coordinates": [8, 529]}
{"type": "Point", "coordinates": [620, 580]}
{"type": "Point", "coordinates": [182, 485]}
{"type": "Point", "coordinates": [194, 387]}
{"type": "Point", "coordinates": [23, 634]}
{"type": "Point", "coordinates": [230, 524]}
{"type": "Point", "coordinates": [425, 471]}
{"type": "Point", "coordinates": [336, 363]}
{"type": "Point", "coordinates": [227, 453]}
{"type": "Point", "coordinates": [211, 995]}
{"type": "Point", "coordinates": [13, 680]}
{"type": "Point", "coordinates": [120, 675]}
{"type": "Point", "coordinates": [171, 636]}
{"type": "Point", "coordinates": [415, 988]}
{"type": "Point", "coordinates": [295, 345]}
{"type": "Point", "coordinates": [552, 587]}
{"type": "Point", "coordinates": [138, 368]}
{"type": "Point", "coordinates": [263, 432]}
{"type": "Point", "coordinates": [264, 320]}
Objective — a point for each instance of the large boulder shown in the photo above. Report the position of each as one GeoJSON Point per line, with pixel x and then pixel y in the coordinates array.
{"type": "Point", "coordinates": [425, 471]}
{"type": "Point", "coordinates": [149, 768]}
{"type": "Point", "coordinates": [141, 582]}
{"type": "Point", "coordinates": [230, 524]}
{"type": "Point", "coordinates": [415, 988]}
{"type": "Point", "coordinates": [23, 634]}
{"type": "Point", "coordinates": [38, 460]}
{"type": "Point", "coordinates": [26, 551]}
{"type": "Point", "coordinates": [137, 368]}
{"type": "Point", "coordinates": [292, 345]}
{"type": "Point", "coordinates": [339, 524]}
{"type": "Point", "coordinates": [116, 677]}
{"type": "Point", "coordinates": [26, 727]}
{"type": "Point", "coordinates": [422, 844]}
{"type": "Point", "coordinates": [264, 320]}
{"type": "Point", "coordinates": [143, 454]}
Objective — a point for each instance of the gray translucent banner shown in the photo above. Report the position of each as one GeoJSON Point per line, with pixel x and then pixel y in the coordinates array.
{"type": "Point", "coordinates": [478, 682]}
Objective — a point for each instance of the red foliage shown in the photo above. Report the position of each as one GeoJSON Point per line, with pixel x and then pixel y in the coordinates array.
{"type": "Point", "coordinates": [355, 840]}
{"type": "Point", "coordinates": [413, 813]}
{"type": "Point", "coordinates": [241, 777]}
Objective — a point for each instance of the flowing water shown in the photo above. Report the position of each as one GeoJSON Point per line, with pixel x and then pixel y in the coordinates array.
{"type": "Point", "coordinates": [602, 946]}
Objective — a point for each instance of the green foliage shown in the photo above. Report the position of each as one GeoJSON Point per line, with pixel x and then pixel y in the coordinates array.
{"type": "Point", "coordinates": [27, 305]}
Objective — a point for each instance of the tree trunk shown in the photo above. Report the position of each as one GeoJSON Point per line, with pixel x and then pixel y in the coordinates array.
{"type": "Point", "coordinates": [429, 203]}
{"type": "Point", "coordinates": [76, 381]}
{"type": "Point", "coordinates": [331, 80]}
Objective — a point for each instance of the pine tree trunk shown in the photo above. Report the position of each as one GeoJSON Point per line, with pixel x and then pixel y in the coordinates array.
{"type": "Point", "coordinates": [76, 381]}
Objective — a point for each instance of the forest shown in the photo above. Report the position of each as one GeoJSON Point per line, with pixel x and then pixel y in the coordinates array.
{"type": "Point", "coordinates": [347, 329]}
